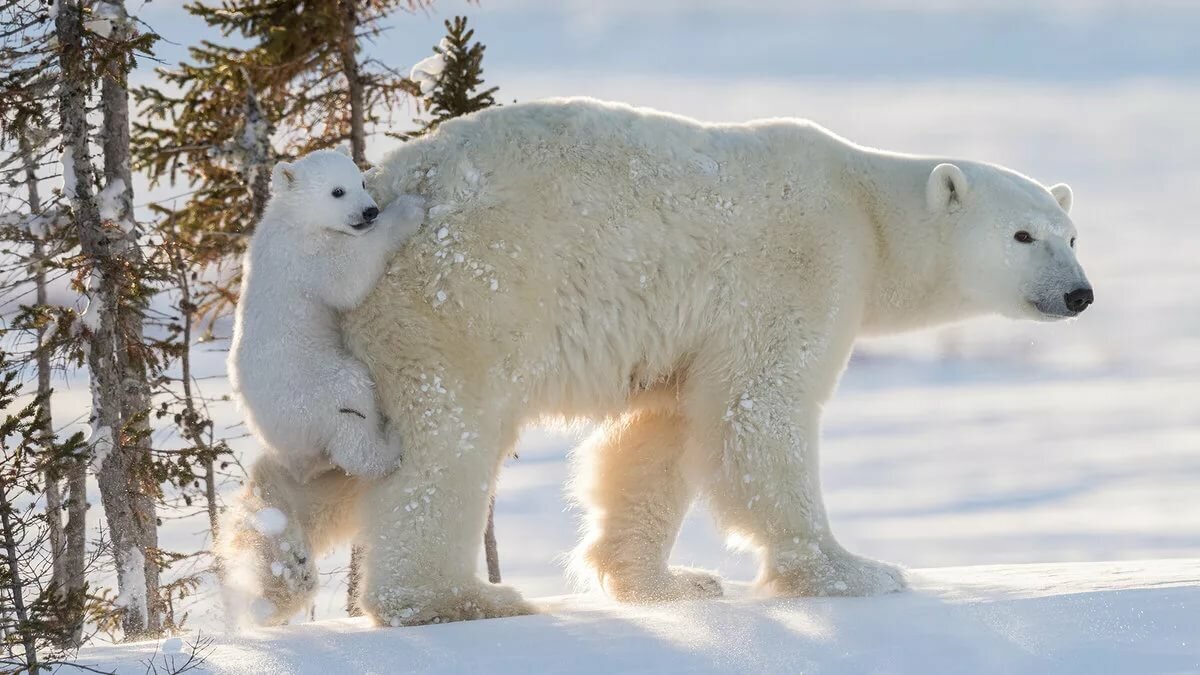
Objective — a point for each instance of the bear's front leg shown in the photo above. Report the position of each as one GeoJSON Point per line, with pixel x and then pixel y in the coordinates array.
{"type": "Point", "coordinates": [425, 521]}
{"type": "Point", "coordinates": [765, 487]}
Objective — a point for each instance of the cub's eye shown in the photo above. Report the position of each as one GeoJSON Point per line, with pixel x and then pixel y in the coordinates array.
{"type": "Point", "coordinates": [364, 185]}
{"type": "Point", "coordinates": [1072, 242]}
{"type": "Point", "coordinates": [1023, 237]}
{"type": "Point", "coordinates": [339, 193]}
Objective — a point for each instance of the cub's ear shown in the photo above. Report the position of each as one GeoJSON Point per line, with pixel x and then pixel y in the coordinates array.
{"type": "Point", "coordinates": [344, 149]}
{"type": "Point", "coordinates": [946, 188]}
{"type": "Point", "coordinates": [283, 177]}
{"type": "Point", "coordinates": [1062, 192]}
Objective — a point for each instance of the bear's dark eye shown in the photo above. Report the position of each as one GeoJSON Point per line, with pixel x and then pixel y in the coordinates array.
{"type": "Point", "coordinates": [1023, 237]}
{"type": "Point", "coordinates": [364, 185]}
{"type": "Point", "coordinates": [339, 193]}
{"type": "Point", "coordinates": [1072, 242]}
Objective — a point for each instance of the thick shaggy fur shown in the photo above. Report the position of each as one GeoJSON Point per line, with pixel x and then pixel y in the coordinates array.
{"type": "Point", "coordinates": [695, 288]}
{"type": "Point", "coordinates": [315, 254]}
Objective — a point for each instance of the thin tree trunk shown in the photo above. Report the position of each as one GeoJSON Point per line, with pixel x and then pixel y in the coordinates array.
{"type": "Point", "coordinates": [256, 151]}
{"type": "Point", "coordinates": [75, 553]}
{"type": "Point", "coordinates": [358, 113]}
{"type": "Point", "coordinates": [16, 589]}
{"type": "Point", "coordinates": [42, 362]}
{"type": "Point", "coordinates": [192, 429]}
{"type": "Point", "coordinates": [120, 395]}
{"type": "Point", "coordinates": [489, 544]}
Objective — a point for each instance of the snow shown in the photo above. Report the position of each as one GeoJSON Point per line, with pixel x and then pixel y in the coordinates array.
{"type": "Point", "coordinates": [1132, 617]}
{"type": "Point", "coordinates": [101, 442]}
{"type": "Point", "coordinates": [427, 71]}
{"type": "Point", "coordinates": [270, 521]}
{"type": "Point", "coordinates": [133, 583]}
{"type": "Point", "coordinates": [104, 16]}
{"type": "Point", "coordinates": [68, 168]}
{"type": "Point", "coordinates": [95, 307]}
{"type": "Point", "coordinates": [109, 199]}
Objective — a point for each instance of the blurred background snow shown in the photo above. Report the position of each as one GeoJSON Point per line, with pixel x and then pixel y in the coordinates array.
{"type": "Point", "coordinates": [983, 443]}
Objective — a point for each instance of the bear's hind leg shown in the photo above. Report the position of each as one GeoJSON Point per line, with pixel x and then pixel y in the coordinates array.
{"type": "Point", "coordinates": [636, 495]}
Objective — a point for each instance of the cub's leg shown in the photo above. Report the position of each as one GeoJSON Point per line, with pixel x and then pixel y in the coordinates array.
{"type": "Point", "coordinates": [359, 441]}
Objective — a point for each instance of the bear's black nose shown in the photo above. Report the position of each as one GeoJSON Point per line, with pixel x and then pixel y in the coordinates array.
{"type": "Point", "coordinates": [1079, 299]}
{"type": "Point", "coordinates": [369, 214]}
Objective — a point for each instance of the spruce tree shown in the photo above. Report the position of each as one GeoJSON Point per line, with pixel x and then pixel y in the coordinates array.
{"type": "Point", "coordinates": [96, 46]}
{"type": "Point", "coordinates": [450, 80]}
{"type": "Point", "coordinates": [36, 619]}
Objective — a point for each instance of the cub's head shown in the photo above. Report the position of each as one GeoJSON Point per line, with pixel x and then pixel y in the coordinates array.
{"type": "Point", "coordinates": [1012, 240]}
{"type": "Point", "coordinates": [324, 190]}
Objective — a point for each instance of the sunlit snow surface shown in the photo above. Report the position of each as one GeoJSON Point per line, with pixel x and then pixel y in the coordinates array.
{"type": "Point", "coordinates": [1063, 618]}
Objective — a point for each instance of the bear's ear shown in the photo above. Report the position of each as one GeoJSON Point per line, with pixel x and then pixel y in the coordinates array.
{"type": "Point", "coordinates": [283, 177]}
{"type": "Point", "coordinates": [946, 188]}
{"type": "Point", "coordinates": [1062, 192]}
{"type": "Point", "coordinates": [344, 149]}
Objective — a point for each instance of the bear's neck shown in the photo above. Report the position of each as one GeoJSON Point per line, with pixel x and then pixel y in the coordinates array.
{"type": "Point", "coordinates": [914, 284]}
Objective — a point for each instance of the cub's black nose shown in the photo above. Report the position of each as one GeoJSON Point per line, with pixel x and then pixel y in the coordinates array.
{"type": "Point", "coordinates": [1079, 299]}
{"type": "Point", "coordinates": [370, 213]}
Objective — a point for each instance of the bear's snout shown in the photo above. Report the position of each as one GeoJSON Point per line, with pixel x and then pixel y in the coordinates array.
{"type": "Point", "coordinates": [370, 213]}
{"type": "Point", "coordinates": [1079, 299]}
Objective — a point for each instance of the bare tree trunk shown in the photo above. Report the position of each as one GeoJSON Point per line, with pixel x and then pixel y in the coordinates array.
{"type": "Point", "coordinates": [489, 544]}
{"type": "Point", "coordinates": [75, 553]}
{"type": "Point", "coordinates": [256, 155]}
{"type": "Point", "coordinates": [67, 546]}
{"type": "Point", "coordinates": [120, 392]}
{"type": "Point", "coordinates": [192, 428]}
{"type": "Point", "coordinates": [358, 113]}
{"type": "Point", "coordinates": [42, 362]}
{"type": "Point", "coordinates": [16, 590]}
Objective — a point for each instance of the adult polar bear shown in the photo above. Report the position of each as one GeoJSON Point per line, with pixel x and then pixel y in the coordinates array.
{"type": "Point", "coordinates": [697, 289]}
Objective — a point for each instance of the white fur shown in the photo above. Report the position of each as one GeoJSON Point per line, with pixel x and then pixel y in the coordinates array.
{"type": "Point", "coordinates": [698, 290]}
{"type": "Point", "coordinates": [314, 255]}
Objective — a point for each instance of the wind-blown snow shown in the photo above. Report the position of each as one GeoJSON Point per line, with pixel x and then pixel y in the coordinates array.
{"type": "Point", "coordinates": [270, 521]}
{"type": "Point", "coordinates": [1114, 618]}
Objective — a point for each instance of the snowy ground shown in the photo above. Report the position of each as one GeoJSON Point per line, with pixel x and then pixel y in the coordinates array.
{"type": "Point", "coordinates": [1130, 618]}
{"type": "Point", "coordinates": [993, 442]}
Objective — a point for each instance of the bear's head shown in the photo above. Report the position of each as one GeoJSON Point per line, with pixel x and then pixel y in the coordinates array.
{"type": "Point", "coordinates": [323, 190]}
{"type": "Point", "coordinates": [1012, 240]}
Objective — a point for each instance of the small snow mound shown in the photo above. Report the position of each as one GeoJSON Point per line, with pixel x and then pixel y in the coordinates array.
{"type": "Point", "coordinates": [171, 646]}
{"type": "Point", "coordinates": [269, 521]}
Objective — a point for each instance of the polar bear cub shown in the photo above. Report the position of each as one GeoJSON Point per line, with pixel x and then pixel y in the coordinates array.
{"type": "Point", "coordinates": [319, 250]}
